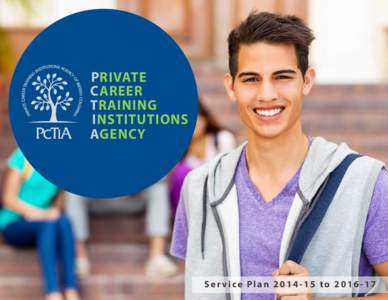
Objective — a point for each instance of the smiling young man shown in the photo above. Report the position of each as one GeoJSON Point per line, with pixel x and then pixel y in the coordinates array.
{"type": "Point", "coordinates": [282, 203]}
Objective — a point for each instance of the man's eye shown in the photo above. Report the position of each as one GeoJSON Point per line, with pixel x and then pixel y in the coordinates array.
{"type": "Point", "coordinates": [250, 79]}
{"type": "Point", "coordinates": [282, 77]}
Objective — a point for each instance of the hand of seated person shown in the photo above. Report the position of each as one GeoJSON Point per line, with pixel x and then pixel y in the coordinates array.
{"type": "Point", "coordinates": [37, 214]}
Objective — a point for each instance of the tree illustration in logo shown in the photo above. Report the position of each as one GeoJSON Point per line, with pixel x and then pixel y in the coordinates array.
{"type": "Point", "coordinates": [51, 95]}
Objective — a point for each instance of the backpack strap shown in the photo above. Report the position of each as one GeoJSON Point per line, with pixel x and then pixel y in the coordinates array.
{"type": "Point", "coordinates": [319, 209]}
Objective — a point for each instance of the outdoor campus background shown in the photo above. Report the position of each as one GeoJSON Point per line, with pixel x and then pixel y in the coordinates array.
{"type": "Point", "coordinates": [349, 103]}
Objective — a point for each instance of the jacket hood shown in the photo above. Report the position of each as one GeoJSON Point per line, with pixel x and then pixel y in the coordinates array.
{"type": "Point", "coordinates": [322, 158]}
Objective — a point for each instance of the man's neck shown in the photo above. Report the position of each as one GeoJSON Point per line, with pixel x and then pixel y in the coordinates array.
{"type": "Point", "coordinates": [276, 156]}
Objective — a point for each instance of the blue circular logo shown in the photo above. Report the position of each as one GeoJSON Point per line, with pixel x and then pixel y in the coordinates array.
{"type": "Point", "coordinates": [103, 103]}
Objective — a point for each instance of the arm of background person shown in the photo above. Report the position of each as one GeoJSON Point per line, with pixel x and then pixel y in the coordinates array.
{"type": "Point", "coordinates": [59, 201]}
{"type": "Point", "coordinates": [180, 232]}
{"type": "Point", "coordinates": [12, 184]}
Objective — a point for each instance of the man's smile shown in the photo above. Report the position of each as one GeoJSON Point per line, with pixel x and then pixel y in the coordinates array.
{"type": "Point", "coordinates": [269, 112]}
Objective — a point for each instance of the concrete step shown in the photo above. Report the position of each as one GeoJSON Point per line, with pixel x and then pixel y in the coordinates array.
{"type": "Point", "coordinates": [117, 229]}
{"type": "Point", "coordinates": [117, 273]}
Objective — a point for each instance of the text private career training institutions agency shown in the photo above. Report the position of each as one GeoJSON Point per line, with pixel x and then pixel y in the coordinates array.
{"type": "Point", "coordinates": [131, 115]}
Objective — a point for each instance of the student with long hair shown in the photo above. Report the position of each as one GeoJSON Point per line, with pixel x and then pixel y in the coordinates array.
{"type": "Point", "coordinates": [209, 139]}
{"type": "Point", "coordinates": [30, 218]}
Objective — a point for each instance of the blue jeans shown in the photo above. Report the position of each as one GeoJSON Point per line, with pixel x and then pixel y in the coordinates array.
{"type": "Point", "coordinates": [55, 244]}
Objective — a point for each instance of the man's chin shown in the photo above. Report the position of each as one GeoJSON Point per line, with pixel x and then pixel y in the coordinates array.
{"type": "Point", "coordinates": [269, 134]}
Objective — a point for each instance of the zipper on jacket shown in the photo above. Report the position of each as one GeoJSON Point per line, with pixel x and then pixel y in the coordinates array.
{"type": "Point", "coordinates": [204, 217]}
{"type": "Point", "coordinates": [224, 253]}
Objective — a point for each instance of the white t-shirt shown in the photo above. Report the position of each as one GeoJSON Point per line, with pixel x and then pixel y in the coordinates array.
{"type": "Point", "coordinates": [225, 142]}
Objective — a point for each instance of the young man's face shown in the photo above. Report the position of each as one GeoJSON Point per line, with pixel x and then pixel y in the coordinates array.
{"type": "Point", "coordinates": [269, 88]}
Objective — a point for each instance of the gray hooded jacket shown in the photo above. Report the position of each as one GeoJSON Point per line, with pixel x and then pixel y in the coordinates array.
{"type": "Point", "coordinates": [210, 200]}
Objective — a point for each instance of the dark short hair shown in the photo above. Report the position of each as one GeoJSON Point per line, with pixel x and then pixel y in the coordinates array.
{"type": "Point", "coordinates": [274, 29]}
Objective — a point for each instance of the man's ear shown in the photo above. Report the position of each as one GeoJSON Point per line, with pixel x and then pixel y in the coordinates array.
{"type": "Point", "coordinates": [309, 78]}
{"type": "Point", "coordinates": [228, 83]}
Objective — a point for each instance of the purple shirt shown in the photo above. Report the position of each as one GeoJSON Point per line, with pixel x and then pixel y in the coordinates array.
{"type": "Point", "coordinates": [259, 249]}
{"type": "Point", "coordinates": [176, 179]}
{"type": "Point", "coordinates": [261, 225]}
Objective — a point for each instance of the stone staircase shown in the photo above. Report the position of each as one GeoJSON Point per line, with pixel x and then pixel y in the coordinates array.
{"type": "Point", "coordinates": [118, 251]}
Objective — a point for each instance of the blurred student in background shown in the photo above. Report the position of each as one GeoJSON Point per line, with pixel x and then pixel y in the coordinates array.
{"type": "Point", "coordinates": [31, 217]}
{"type": "Point", "coordinates": [209, 139]}
{"type": "Point", "coordinates": [76, 208]}
{"type": "Point", "coordinates": [157, 229]}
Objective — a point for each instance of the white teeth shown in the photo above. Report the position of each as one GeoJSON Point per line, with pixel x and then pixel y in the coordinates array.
{"type": "Point", "coordinates": [268, 112]}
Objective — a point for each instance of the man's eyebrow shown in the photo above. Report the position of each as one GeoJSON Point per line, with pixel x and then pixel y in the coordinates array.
{"type": "Point", "coordinates": [247, 74]}
{"type": "Point", "coordinates": [284, 71]}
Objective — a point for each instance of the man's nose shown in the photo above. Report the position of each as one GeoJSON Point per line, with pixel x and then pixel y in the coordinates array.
{"type": "Point", "coordinates": [267, 92]}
